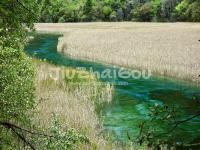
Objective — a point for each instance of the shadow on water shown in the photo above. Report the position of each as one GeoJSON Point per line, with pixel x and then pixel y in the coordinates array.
{"type": "Point", "coordinates": [131, 102]}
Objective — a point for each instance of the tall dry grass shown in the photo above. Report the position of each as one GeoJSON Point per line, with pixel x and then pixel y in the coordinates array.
{"type": "Point", "coordinates": [73, 104]}
{"type": "Point", "coordinates": [171, 49]}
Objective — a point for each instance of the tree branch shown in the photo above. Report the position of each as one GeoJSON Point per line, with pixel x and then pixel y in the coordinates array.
{"type": "Point", "coordinates": [10, 125]}
{"type": "Point", "coordinates": [13, 127]}
{"type": "Point", "coordinates": [23, 138]}
{"type": "Point", "coordinates": [178, 123]}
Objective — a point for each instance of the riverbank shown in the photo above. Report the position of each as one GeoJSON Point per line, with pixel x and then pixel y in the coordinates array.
{"type": "Point", "coordinates": [134, 99]}
{"type": "Point", "coordinates": [74, 95]}
{"type": "Point", "coordinates": [72, 101]}
{"type": "Point", "coordinates": [167, 49]}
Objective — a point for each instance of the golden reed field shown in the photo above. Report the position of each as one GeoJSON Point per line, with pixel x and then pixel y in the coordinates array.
{"type": "Point", "coordinates": [170, 49]}
{"type": "Point", "coordinates": [73, 103]}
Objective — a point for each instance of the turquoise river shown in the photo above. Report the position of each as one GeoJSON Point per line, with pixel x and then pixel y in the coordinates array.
{"type": "Point", "coordinates": [132, 98]}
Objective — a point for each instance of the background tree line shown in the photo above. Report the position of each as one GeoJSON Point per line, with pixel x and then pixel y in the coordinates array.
{"type": "Point", "coordinates": [120, 10]}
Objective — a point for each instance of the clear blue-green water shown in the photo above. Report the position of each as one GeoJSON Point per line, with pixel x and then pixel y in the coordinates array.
{"type": "Point", "coordinates": [133, 99]}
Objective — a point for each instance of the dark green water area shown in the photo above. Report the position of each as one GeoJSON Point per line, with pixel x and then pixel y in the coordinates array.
{"type": "Point", "coordinates": [133, 99]}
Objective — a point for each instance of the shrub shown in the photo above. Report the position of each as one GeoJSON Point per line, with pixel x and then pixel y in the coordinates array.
{"type": "Point", "coordinates": [16, 84]}
{"type": "Point", "coordinates": [60, 138]}
{"type": "Point", "coordinates": [17, 91]}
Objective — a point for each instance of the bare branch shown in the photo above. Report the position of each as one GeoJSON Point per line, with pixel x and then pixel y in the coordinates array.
{"type": "Point", "coordinates": [23, 138]}
{"type": "Point", "coordinates": [10, 125]}
{"type": "Point", "coordinates": [13, 127]}
{"type": "Point", "coordinates": [178, 123]}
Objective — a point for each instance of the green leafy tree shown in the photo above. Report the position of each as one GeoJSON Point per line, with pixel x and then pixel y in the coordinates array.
{"type": "Point", "coordinates": [120, 14]}
{"type": "Point", "coordinates": [88, 6]}
{"type": "Point", "coordinates": [126, 10]}
{"type": "Point", "coordinates": [167, 9]}
{"type": "Point", "coordinates": [16, 70]}
{"type": "Point", "coordinates": [195, 11]}
{"type": "Point", "coordinates": [144, 13]}
{"type": "Point", "coordinates": [113, 16]}
{"type": "Point", "coordinates": [157, 10]}
{"type": "Point", "coordinates": [188, 11]}
{"type": "Point", "coordinates": [88, 10]}
{"type": "Point", "coordinates": [107, 10]}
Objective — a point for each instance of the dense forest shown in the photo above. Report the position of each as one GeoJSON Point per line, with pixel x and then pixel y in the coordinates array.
{"type": "Point", "coordinates": [120, 10]}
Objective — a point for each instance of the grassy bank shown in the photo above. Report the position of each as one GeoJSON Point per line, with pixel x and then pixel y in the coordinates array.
{"type": "Point", "coordinates": [74, 103]}
{"type": "Point", "coordinates": [169, 49]}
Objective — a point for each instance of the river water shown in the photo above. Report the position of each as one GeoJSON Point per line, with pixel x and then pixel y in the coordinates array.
{"type": "Point", "coordinates": [132, 98]}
